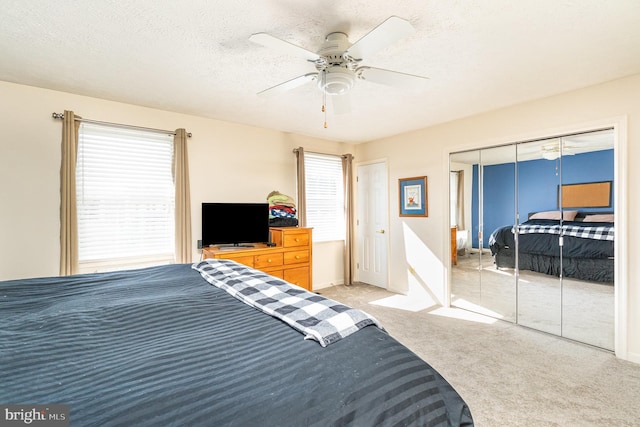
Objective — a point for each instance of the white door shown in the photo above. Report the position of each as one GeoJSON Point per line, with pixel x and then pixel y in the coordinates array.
{"type": "Point", "coordinates": [372, 224]}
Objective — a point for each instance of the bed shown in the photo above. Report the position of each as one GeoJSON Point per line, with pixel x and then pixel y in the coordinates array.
{"type": "Point", "coordinates": [162, 346]}
{"type": "Point", "coordinates": [587, 252]}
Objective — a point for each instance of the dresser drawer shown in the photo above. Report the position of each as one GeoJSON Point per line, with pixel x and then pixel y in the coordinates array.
{"type": "Point", "coordinates": [298, 276]}
{"type": "Point", "coordinates": [278, 272]}
{"type": "Point", "coordinates": [268, 260]}
{"type": "Point", "coordinates": [295, 239]}
{"type": "Point", "coordinates": [246, 260]}
{"type": "Point", "coordinates": [296, 257]}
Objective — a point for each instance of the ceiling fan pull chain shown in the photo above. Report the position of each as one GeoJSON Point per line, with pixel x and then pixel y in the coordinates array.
{"type": "Point", "coordinates": [324, 98]}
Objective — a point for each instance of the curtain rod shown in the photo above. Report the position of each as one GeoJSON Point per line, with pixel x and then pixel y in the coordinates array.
{"type": "Point", "coordinates": [61, 116]}
{"type": "Point", "coordinates": [295, 150]}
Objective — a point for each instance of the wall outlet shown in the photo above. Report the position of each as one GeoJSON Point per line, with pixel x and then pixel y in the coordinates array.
{"type": "Point", "coordinates": [199, 244]}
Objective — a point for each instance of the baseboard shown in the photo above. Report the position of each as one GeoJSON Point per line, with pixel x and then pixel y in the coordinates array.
{"type": "Point", "coordinates": [327, 285]}
{"type": "Point", "coordinates": [633, 357]}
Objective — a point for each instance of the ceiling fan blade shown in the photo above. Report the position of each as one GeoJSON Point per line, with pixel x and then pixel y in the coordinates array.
{"type": "Point", "coordinates": [341, 104]}
{"type": "Point", "coordinates": [288, 85]}
{"type": "Point", "coordinates": [275, 43]}
{"type": "Point", "coordinates": [392, 78]}
{"type": "Point", "coordinates": [385, 34]}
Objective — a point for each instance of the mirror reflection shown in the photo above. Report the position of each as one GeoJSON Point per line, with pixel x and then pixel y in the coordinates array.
{"type": "Point", "coordinates": [539, 286]}
{"type": "Point", "coordinates": [532, 234]}
{"type": "Point", "coordinates": [466, 261]}
{"type": "Point", "coordinates": [588, 240]}
{"type": "Point", "coordinates": [498, 205]}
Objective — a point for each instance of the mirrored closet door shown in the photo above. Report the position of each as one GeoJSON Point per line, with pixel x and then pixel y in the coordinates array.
{"type": "Point", "coordinates": [588, 280]}
{"type": "Point", "coordinates": [483, 198]}
{"type": "Point", "coordinates": [466, 255]}
{"type": "Point", "coordinates": [537, 235]}
{"type": "Point", "coordinates": [497, 209]}
{"type": "Point", "coordinates": [532, 234]}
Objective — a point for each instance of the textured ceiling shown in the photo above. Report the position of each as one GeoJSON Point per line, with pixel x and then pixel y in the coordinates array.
{"type": "Point", "coordinates": [194, 56]}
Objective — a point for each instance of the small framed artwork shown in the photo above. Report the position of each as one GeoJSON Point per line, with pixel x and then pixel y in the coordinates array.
{"type": "Point", "coordinates": [413, 196]}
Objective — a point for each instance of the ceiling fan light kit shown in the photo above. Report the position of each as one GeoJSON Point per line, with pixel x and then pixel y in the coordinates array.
{"type": "Point", "coordinates": [336, 80]}
{"type": "Point", "coordinates": [337, 62]}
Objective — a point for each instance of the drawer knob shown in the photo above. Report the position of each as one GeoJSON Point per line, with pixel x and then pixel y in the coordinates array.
{"type": "Point", "coordinates": [297, 239]}
{"type": "Point", "coordinates": [269, 260]}
{"type": "Point", "coordinates": [297, 256]}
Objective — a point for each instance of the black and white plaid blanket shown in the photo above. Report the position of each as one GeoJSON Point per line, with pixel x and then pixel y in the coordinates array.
{"type": "Point", "coordinates": [601, 232]}
{"type": "Point", "coordinates": [537, 228]}
{"type": "Point", "coordinates": [317, 317]}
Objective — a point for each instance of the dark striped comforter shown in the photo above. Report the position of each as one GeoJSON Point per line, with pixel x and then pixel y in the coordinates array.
{"type": "Point", "coordinates": [162, 347]}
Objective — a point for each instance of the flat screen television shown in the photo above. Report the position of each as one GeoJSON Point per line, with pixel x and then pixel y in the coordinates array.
{"type": "Point", "coordinates": [237, 224]}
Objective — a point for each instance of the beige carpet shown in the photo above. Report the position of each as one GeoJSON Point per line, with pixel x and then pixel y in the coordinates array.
{"type": "Point", "coordinates": [510, 375]}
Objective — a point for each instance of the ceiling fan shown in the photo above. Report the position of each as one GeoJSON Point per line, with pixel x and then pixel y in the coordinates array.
{"type": "Point", "coordinates": [554, 149]}
{"type": "Point", "coordinates": [337, 62]}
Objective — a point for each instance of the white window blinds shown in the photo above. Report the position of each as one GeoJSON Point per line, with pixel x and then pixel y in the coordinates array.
{"type": "Point", "coordinates": [324, 196]}
{"type": "Point", "coordinates": [125, 197]}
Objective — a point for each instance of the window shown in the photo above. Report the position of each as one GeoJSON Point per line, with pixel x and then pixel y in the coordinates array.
{"type": "Point", "coordinates": [325, 196]}
{"type": "Point", "coordinates": [125, 198]}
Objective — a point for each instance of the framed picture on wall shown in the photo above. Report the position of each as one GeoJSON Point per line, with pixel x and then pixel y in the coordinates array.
{"type": "Point", "coordinates": [413, 196]}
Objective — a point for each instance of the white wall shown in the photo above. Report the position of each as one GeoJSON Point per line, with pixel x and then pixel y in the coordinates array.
{"type": "Point", "coordinates": [422, 241]}
{"type": "Point", "coordinates": [228, 162]}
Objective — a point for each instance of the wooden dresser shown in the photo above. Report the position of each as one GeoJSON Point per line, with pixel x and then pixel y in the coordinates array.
{"type": "Point", "coordinates": [290, 259]}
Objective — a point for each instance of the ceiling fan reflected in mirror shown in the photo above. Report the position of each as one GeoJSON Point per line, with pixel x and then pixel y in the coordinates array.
{"type": "Point", "coordinates": [577, 144]}
{"type": "Point", "coordinates": [552, 150]}
{"type": "Point", "coordinates": [338, 63]}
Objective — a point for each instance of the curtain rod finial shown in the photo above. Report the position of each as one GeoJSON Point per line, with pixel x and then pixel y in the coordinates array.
{"type": "Point", "coordinates": [57, 115]}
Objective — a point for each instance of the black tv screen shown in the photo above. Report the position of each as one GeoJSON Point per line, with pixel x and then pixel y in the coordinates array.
{"type": "Point", "coordinates": [234, 223]}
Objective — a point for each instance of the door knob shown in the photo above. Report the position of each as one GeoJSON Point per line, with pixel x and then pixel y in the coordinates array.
{"type": "Point", "coordinates": [380, 231]}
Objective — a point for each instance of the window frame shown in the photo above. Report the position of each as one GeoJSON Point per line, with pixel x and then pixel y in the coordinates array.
{"type": "Point", "coordinates": [319, 190]}
{"type": "Point", "coordinates": [158, 194]}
